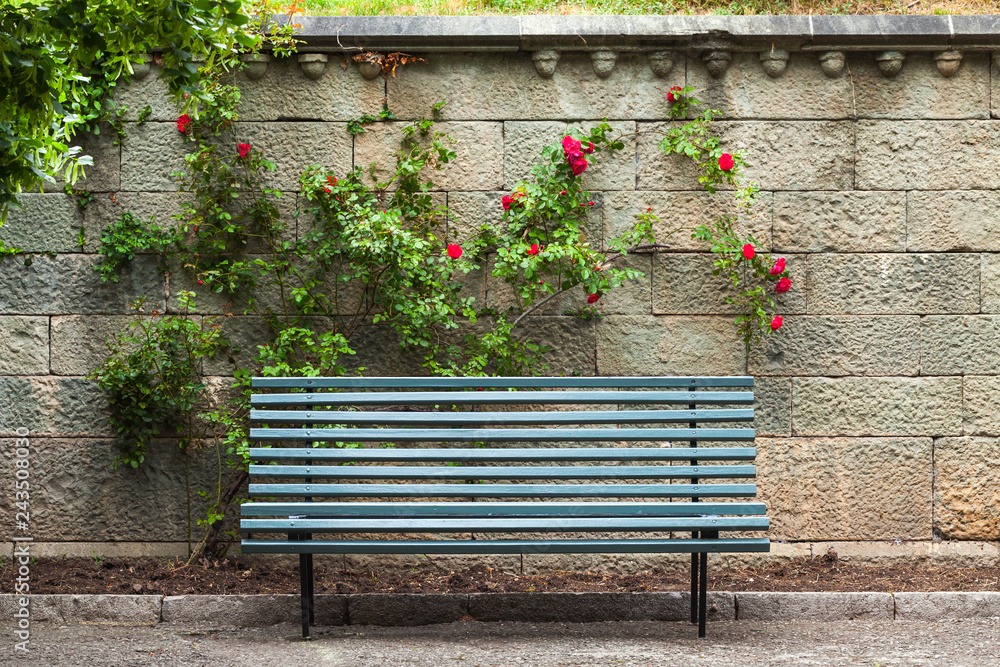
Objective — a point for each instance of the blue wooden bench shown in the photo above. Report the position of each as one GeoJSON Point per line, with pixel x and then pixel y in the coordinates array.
{"type": "Point", "coordinates": [455, 456]}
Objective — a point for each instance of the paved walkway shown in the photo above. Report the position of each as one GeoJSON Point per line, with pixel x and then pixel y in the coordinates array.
{"type": "Point", "coordinates": [871, 643]}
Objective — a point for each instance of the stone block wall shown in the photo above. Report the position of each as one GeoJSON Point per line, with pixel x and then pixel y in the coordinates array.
{"type": "Point", "coordinates": [878, 413]}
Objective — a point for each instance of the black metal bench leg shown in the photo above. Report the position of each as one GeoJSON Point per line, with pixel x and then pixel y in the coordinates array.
{"type": "Point", "coordinates": [304, 584]}
{"type": "Point", "coordinates": [312, 580]}
{"type": "Point", "coordinates": [694, 586]}
{"type": "Point", "coordinates": [702, 595]}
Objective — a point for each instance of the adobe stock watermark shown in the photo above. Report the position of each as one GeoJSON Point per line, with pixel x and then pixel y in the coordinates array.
{"type": "Point", "coordinates": [22, 541]}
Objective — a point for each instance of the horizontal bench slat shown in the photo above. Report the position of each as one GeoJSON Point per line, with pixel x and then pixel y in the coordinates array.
{"type": "Point", "coordinates": [506, 398]}
{"type": "Point", "coordinates": [503, 382]}
{"type": "Point", "coordinates": [505, 472]}
{"type": "Point", "coordinates": [502, 525]}
{"type": "Point", "coordinates": [503, 418]}
{"type": "Point", "coordinates": [721, 545]}
{"type": "Point", "coordinates": [501, 435]}
{"type": "Point", "coordinates": [505, 454]}
{"type": "Point", "coordinates": [506, 490]}
{"type": "Point", "coordinates": [506, 509]}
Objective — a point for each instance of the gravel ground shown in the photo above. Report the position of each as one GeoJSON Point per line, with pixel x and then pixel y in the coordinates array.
{"type": "Point", "coordinates": [882, 643]}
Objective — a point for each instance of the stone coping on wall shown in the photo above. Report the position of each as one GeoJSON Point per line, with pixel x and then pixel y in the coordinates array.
{"type": "Point", "coordinates": [648, 33]}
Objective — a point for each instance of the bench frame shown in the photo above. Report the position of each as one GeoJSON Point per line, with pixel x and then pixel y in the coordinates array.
{"type": "Point", "coordinates": [313, 517]}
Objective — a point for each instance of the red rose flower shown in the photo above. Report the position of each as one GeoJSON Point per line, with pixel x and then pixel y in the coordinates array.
{"type": "Point", "coordinates": [673, 94]}
{"type": "Point", "coordinates": [562, 192]}
{"type": "Point", "coordinates": [244, 149]}
{"type": "Point", "coordinates": [748, 251]}
{"type": "Point", "coordinates": [183, 123]}
{"type": "Point", "coordinates": [326, 190]}
{"type": "Point", "coordinates": [726, 162]}
{"type": "Point", "coordinates": [570, 145]}
{"type": "Point", "coordinates": [578, 166]}
{"type": "Point", "coordinates": [776, 323]}
{"type": "Point", "coordinates": [783, 286]}
{"type": "Point", "coordinates": [506, 201]}
{"type": "Point", "coordinates": [454, 250]}
{"type": "Point", "coordinates": [589, 149]}
{"type": "Point", "coordinates": [332, 180]}
{"type": "Point", "coordinates": [778, 267]}
{"type": "Point", "coordinates": [533, 250]}
{"type": "Point", "coordinates": [592, 298]}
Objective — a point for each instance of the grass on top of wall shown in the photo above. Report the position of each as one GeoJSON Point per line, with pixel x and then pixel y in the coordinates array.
{"type": "Point", "coordinates": [728, 7]}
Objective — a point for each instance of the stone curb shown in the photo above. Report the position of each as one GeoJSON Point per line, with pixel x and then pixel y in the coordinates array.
{"type": "Point", "coordinates": [649, 32]}
{"type": "Point", "coordinates": [390, 609]}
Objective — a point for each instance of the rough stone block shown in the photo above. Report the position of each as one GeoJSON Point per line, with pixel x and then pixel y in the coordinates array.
{"type": "Point", "coordinates": [893, 284]}
{"type": "Point", "coordinates": [469, 211]}
{"type": "Point", "coordinates": [781, 155]}
{"type": "Point", "coordinates": [67, 284]}
{"type": "Point", "coordinates": [989, 282]}
{"type": "Point", "coordinates": [841, 345]}
{"type": "Point", "coordinates": [960, 345]}
{"type": "Point", "coordinates": [772, 406]}
{"type": "Point", "coordinates": [150, 154]}
{"type": "Point", "coordinates": [396, 609]}
{"type": "Point", "coordinates": [677, 606]}
{"type": "Point", "coordinates": [135, 94]}
{"type": "Point", "coordinates": [502, 86]}
{"type": "Point", "coordinates": [835, 488]}
{"type": "Point", "coordinates": [523, 143]}
{"type": "Point", "coordinates": [479, 149]}
{"type": "Point", "coordinates": [92, 609]}
{"type": "Point", "coordinates": [160, 206]}
{"type": "Point", "coordinates": [967, 488]}
{"type": "Point", "coordinates": [250, 611]}
{"type": "Point", "coordinates": [946, 605]}
{"type": "Point", "coordinates": [927, 155]}
{"type": "Point", "coordinates": [285, 94]}
{"type": "Point", "coordinates": [919, 91]}
{"type": "Point", "coordinates": [634, 297]}
{"type": "Point", "coordinates": [45, 223]}
{"type": "Point", "coordinates": [571, 342]}
{"type": "Point", "coordinates": [840, 222]}
{"type": "Point", "coordinates": [25, 341]}
{"type": "Point", "coordinates": [630, 345]}
{"type": "Point", "coordinates": [53, 406]}
{"type": "Point", "coordinates": [927, 552]}
{"type": "Point", "coordinates": [86, 500]}
{"type": "Point", "coordinates": [378, 353]}
{"type": "Point", "coordinates": [686, 210]}
{"type": "Point", "coordinates": [886, 406]}
{"type": "Point", "coordinates": [105, 174]}
{"type": "Point", "coordinates": [814, 606]}
{"type": "Point", "coordinates": [293, 147]}
{"type": "Point", "coordinates": [746, 92]}
{"type": "Point", "coordinates": [245, 334]}
{"type": "Point", "coordinates": [981, 405]}
{"type": "Point", "coordinates": [953, 221]}
{"type": "Point", "coordinates": [109, 550]}
{"type": "Point", "coordinates": [79, 342]}
{"type": "Point", "coordinates": [684, 284]}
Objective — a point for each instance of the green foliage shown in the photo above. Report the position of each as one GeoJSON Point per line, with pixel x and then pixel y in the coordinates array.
{"type": "Point", "coordinates": [59, 60]}
{"type": "Point", "coordinates": [123, 239]}
{"type": "Point", "coordinates": [754, 279]}
{"type": "Point", "coordinates": [152, 376]}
